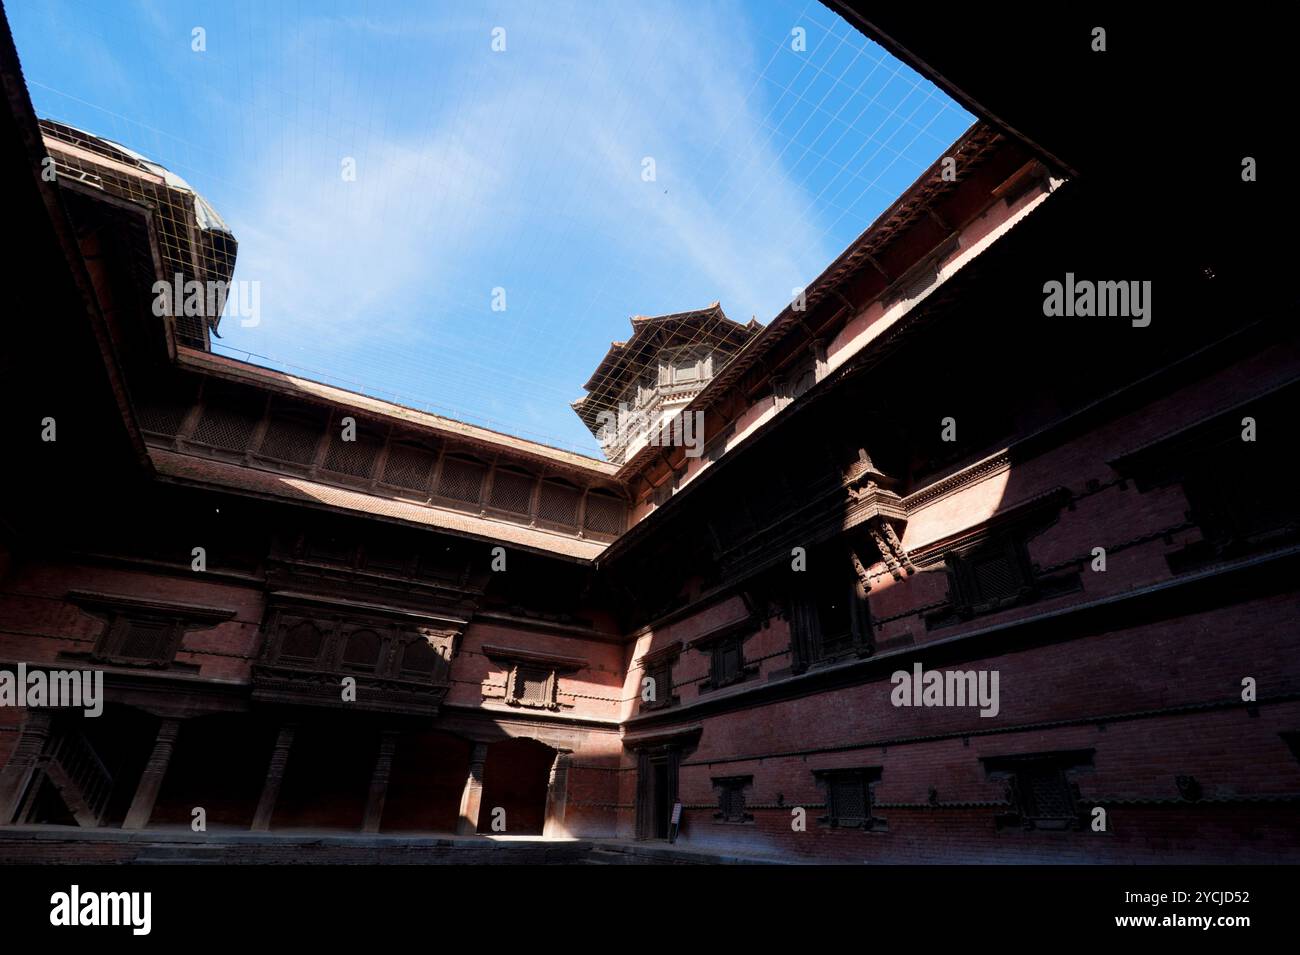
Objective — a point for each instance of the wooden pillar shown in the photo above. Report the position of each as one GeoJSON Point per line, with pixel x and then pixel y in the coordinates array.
{"type": "Point", "coordinates": [557, 796]}
{"type": "Point", "coordinates": [17, 775]}
{"type": "Point", "coordinates": [151, 780]}
{"type": "Point", "coordinates": [379, 781]}
{"type": "Point", "coordinates": [274, 776]}
{"type": "Point", "coordinates": [472, 797]}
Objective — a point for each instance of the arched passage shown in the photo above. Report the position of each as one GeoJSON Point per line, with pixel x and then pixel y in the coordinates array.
{"type": "Point", "coordinates": [515, 779]}
{"type": "Point", "coordinates": [428, 777]}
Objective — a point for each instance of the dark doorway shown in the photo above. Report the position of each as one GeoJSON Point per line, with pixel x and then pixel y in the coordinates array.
{"type": "Point", "coordinates": [515, 780]}
{"type": "Point", "coordinates": [656, 791]}
{"type": "Point", "coordinates": [663, 805]}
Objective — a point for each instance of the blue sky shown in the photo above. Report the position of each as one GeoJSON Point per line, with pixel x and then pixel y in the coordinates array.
{"type": "Point", "coordinates": [476, 170]}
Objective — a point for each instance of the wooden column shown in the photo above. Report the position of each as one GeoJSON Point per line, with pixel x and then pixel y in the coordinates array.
{"type": "Point", "coordinates": [274, 776]}
{"type": "Point", "coordinates": [18, 772]}
{"type": "Point", "coordinates": [557, 796]}
{"type": "Point", "coordinates": [151, 780]}
{"type": "Point", "coordinates": [471, 798]}
{"type": "Point", "coordinates": [379, 781]}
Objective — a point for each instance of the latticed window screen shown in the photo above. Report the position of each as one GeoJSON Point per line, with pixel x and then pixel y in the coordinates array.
{"type": "Point", "coordinates": [605, 514]}
{"type": "Point", "coordinates": [293, 432]}
{"type": "Point", "coordinates": [146, 640]}
{"type": "Point", "coordinates": [229, 418]}
{"type": "Point", "coordinates": [461, 479]}
{"type": "Point", "coordinates": [661, 688]}
{"type": "Point", "coordinates": [728, 658]}
{"type": "Point", "coordinates": [995, 575]}
{"type": "Point", "coordinates": [302, 642]}
{"type": "Point", "coordinates": [1044, 793]}
{"type": "Point", "coordinates": [357, 457]}
{"type": "Point", "coordinates": [160, 415]}
{"type": "Point", "coordinates": [532, 685]}
{"type": "Point", "coordinates": [558, 504]}
{"type": "Point", "coordinates": [731, 799]}
{"type": "Point", "coordinates": [511, 491]}
{"type": "Point", "coordinates": [409, 465]}
{"type": "Point", "coordinates": [848, 799]}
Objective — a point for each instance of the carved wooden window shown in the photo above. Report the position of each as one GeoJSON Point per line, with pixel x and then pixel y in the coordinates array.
{"type": "Point", "coordinates": [848, 798]}
{"type": "Point", "coordinates": [302, 642]}
{"type": "Point", "coordinates": [512, 491]}
{"type": "Point", "coordinates": [831, 619]}
{"type": "Point", "coordinates": [557, 505]}
{"type": "Point", "coordinates": [419, 659]}
{"type": "Point", "coordinates": [996, 575]}
{"type": "Point", "coordinates": [293, 432]}
{"type": "Point", "coordinates": [659, 693]}
{"type": "Point", "coordinates": [409, 465]}
{"type": "Point", "coordinates": [362, 650]}
{"type": "Point", "coordinates": [139, 640]}
{"type": "Point", "coordinates": [1039, 790]}
{"type": "Point", "coordinates": [731, 798]}
{"type": "Point", "coordinates": [728, 661]}
{"type": "Point", "coordinates": [229, 417]}
{"type": "Point", "coordinates": [605, 514]}
{"type": "Point", "coordinates": [355, 458]}
{"type": "Point", "coordinates": [532, 685]}
{"type": "Point", "coordinates": [461, 479]}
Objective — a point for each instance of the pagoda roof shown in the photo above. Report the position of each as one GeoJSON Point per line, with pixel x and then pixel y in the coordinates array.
{"type": "Point", "coordinates": [627, 359]}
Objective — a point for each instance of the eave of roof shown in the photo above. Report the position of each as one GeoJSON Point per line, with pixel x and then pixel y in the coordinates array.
{"type": "Point", "coordinates": [188, 469]}
{"type": "Point", "coordinates": [974, 143]}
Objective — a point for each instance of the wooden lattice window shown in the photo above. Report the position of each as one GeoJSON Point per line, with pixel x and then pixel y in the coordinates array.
{"type": "Point", "coordinates": [229, 417]}
{"type": "Point", "coordinates": [728, 660]}
{"type": "Point", "coordinates": [996, 575]}
{"type": "Point", "coordinates": [605, 514]}
{"type": "Point", "coordinates": [557, 505]}
{"type": "Point", "coordinates": [1038, 789]}
{"type": "Point", "coordinates": [293, 432]}
{"type": "Point", "coordinates": [139, 640]}
{"type": "Point", "coordinates": [409, 465]}
{"type": "Point", "coordinates": [532, 685]}
{"type": "Point", "coordinates": [848, 798]}
{"type": "Point", "coordinates": [356, 457]}
{"type": "Point", "coordinates": [461, 479]}
{"type": "Point", "coordinates": [659, 692]}
{"type": "Point", "coordinates": [731, 798]}
{"type": "Point", "coordinates": [512, 491]}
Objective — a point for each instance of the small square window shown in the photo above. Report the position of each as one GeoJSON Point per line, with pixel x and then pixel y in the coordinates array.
{"type": "Point", "coordinates": [141, 641]}
{"type": "Point", "coordinates": [659, 692]}
{"type": "Point", "coordinates": [731, 798]}
{"type": "Point", "coordinates": [848, 798]}
{"type": "Point", "coordinates": [532, 685]}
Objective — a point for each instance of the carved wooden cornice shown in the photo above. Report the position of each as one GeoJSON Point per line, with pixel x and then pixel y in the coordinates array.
{"type": "Point", "coordinates": [195, 617]}
{"type": "Point", "coordinates": [515, 655]}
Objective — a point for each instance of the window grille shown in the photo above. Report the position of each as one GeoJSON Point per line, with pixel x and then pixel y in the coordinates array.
{"type": "Point", "coordinates": [605, 514]}
{"type": "Point", "coordinates": [355, 458]}
{"type": "Point", "coordinates": [512, 491]}
{"type": "Point", "coordinates": [228, 419]}
{"type": "Point", "coordinates": [293, 432]}
{"type": "Point", "coordinates": [409, 465]}
{"type": "Point", "coordinates": [558, 505]}
{"type": "Point", "coordinates": [461, 480]}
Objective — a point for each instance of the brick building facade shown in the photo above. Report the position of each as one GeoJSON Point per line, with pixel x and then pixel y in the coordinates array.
{"type": "Point", "coordinates": [316, 610]}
